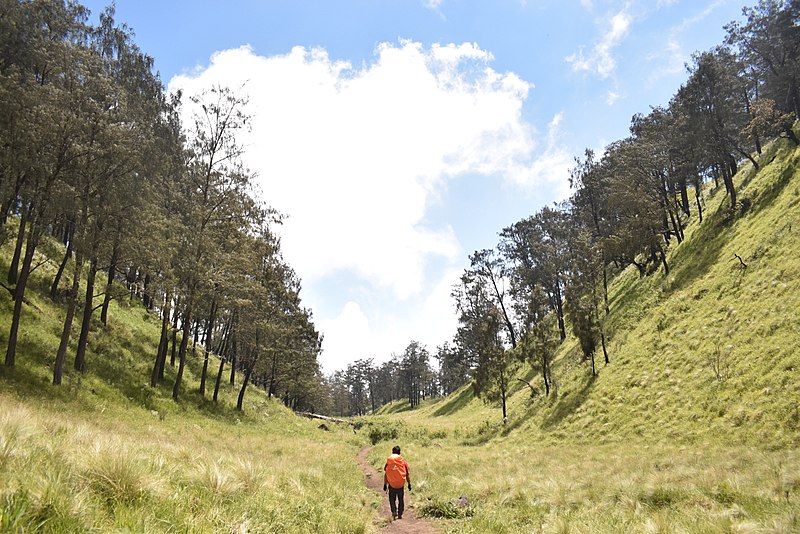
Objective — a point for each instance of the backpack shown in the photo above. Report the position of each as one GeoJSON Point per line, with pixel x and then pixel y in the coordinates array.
{"type": "Point", "coordinates": [396, 471]}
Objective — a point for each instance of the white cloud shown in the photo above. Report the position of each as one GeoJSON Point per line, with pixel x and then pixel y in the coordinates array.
{"type": "Point", "coordinates": [551, 167]}
{"type": "Point", "coordinates": [351, 335]}
{"type": "Point", "coordinates": [356, 156]}
{"type": "Point", "coordinates": [352, 155]}
{"type": "Point", "coordinates": [675, 55]}
{"type": "Point", "coordinates": [347, 337]}
{"type": "Point", "coordinates": [432, 4]}
{"type": "Point", "coordinates": [612, 97]}
{"type": "Point", "coordinates": [601, 60]}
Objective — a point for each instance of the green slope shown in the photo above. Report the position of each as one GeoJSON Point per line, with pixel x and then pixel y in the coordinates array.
{"type": "Point", "coordinates": [711, 350]}
{"type": "Point", "coordinates": [105, 452]}
{"type": "Point", "coordinates": [693, 427]}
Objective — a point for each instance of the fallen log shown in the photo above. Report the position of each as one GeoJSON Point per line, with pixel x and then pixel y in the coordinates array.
{"type": "Point", "coordinates": [326, 418]}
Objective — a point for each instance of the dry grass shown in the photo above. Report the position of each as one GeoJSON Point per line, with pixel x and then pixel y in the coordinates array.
{"type": "Point", "coordinates": [64, 474]}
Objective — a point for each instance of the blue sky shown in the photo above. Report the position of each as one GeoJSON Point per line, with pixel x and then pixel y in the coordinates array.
{"type": "Point", "coordinates": [401, 135]}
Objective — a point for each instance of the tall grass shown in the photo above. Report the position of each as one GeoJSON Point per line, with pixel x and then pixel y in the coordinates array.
{"type": "Point", "coordinates": [61, 473]}
{"type": "Point", "coordinates": [105, 452]}
{"type": "Point", "coordinates": [514, 486]}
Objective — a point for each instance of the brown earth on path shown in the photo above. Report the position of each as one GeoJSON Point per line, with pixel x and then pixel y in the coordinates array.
{"type": "Point", "coordinates": [410, 522]}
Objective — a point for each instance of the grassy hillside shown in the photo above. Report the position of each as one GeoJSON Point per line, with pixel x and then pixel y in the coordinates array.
{"type": "Point", "coordinates": [692, 427]}
{"type": "Point", "coordinates": [106, 452]}
{"type": "Point", "coordinates": [710, 350]}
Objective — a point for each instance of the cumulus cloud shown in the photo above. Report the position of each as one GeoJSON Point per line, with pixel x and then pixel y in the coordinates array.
{"type": "Point", "coordinates": [353, 155]}
{"type": "Point", "coordinates": [600, 60]}
{"type": "Point", "coordinates": [347, 336]}
{"type": "Point", "coordinates": [358, 332]}
{"type": "Point", "coordinates": [551, 167]}
{"type": "Point", "coordinates": [357, 155]}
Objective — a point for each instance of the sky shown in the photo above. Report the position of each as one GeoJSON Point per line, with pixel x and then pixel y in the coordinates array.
{"type": "Point", "coordinates": [399, 136]}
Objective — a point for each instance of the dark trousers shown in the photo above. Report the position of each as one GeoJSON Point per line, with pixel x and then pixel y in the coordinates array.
{"type": "Point", "coordinates": [397, 508]}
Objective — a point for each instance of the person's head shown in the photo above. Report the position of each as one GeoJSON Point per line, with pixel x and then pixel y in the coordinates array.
{"type": "Point", "coordinates": [396, 449]}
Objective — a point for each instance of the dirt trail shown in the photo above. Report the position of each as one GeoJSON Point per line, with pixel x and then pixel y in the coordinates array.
{"type": "Point", "coordinates": [410, 522]}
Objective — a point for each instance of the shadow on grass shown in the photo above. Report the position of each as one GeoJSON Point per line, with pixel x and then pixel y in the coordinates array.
{"type": "Point", "coordinates": [776, 186]}
{"type": "Point", "coordinates": [455, 403]}
{"type": "Point", "coordinates": [568, 403]}
{"type": "Point", "coordinates": [398, 406]}
{"type": "Point", "coordinates": [694, 257]}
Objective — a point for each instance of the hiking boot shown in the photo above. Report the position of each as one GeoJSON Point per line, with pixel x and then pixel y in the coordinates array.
{"type": "Point", "coordinates": [399, 516]}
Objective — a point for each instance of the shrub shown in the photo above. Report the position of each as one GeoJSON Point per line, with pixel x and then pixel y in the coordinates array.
{"type": "Point", "coordinates": [383, 431]}
{"type": "Point", "coordinates": [118, 480]}
{"type": "Point", "coordinates": [444, 509]}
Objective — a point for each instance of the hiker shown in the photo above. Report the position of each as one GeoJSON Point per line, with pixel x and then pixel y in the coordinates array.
{"type": "Point", "coordinates": [395, 475]}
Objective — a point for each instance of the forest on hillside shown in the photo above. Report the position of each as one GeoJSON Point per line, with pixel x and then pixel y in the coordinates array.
{"type": "Point", "coordinates": [548, 276]}
{"type": "Point", "coordinates": [95, 158]}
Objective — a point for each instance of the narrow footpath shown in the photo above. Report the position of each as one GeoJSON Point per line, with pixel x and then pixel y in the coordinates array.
{"type": "Point", "coordinates": [410, 522]}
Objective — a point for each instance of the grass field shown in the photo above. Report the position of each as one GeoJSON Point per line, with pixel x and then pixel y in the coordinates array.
{"type": "Point", "coordinates": [105, 452]}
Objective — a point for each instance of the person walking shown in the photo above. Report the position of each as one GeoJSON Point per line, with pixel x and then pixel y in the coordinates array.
{"type": "Point", "coordinates": [395, 476]}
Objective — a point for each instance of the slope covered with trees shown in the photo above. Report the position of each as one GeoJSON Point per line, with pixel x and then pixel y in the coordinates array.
{"type": "Point", "coordinates": [548, 279]}
{"type": "Point", "coordinates": [94, 156]}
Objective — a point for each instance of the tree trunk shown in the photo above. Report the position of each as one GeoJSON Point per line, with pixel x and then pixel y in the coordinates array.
{"type": "Point", "coordinates": [562, 329]}
{"type": "Point", "coordinates": [246, 380]}
{"type": "Point", "coordinates": [19, 292]}
{"type": "Point", "coordinates": [663, 256]}
{"type": "Point", "coordinates": [112, 270]}
{"type": "Point", "coordinates": [163, 343]}
{"type": "Point", "coordinates": [677, 230]}
{"type": "Point", "coordinates": [503, 387]}
{"type": "Point", "coordinates": [219, 377]}
{"type": "Point", "coordinates": [68, 231]}
{"type": "Point", "coordinates": [72, 303]}
{"type": "Point", "coordinates": [605, 289]}
{"type": "Point", "coordinates": [727, 176]}
{"type": "Point", "coordinates": [546, 374]}
{"type": "Point", "coordinates": [86, 323]}
{"type": "Point", "coordinates": [146, 300]}
{"type": "Point", "coordinates": [233, 362]}
{"type": "Point", "coordinates": [240, 400]}
{"type": "Point", "coordinates": [684, 195]}
{"type": "Point", "coordinates": [212, 315]}
{"type": "Point", "coordinates": [13, 269]}
{"type": "Point", "coordinates": [187, 320]}
{"type": "Point", "coordinates": [699, 206]}
{"type": "Point", "coordinates": [195, 336]}
{"type": "Point", "coordinates": [273, 371]}
{"type": "Point", "coordinates": [603, 344]}
{"type": "Point", "coordinates": [509, 326]}
{"type": "Point", "coordinates": [174, 333]}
